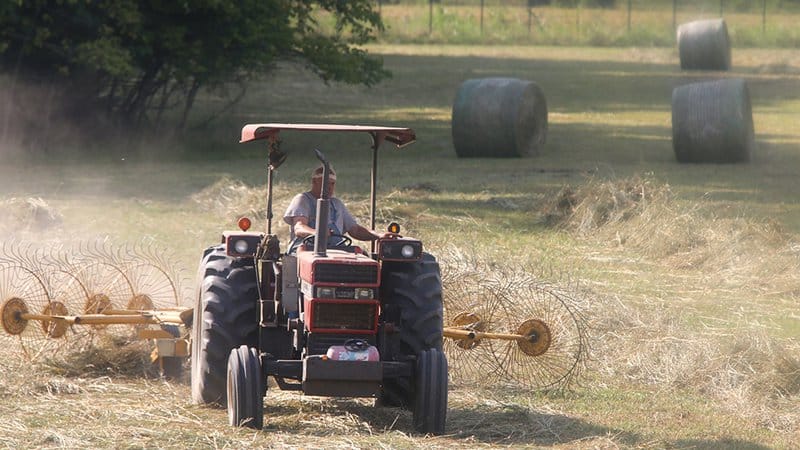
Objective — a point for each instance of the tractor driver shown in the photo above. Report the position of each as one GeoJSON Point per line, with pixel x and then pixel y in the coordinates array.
{"type": "Point", "coordinates": [301, 215]}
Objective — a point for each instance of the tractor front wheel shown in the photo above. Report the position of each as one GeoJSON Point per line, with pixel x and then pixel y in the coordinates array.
{"type": "Point", "coordinates": [245, 388]}
{"type": "Point", "coordinates": [430, 406]}
{"type": "Point", "coordinates": [225, 317]}
{"type": "Point", "coordinates": [412, 296]}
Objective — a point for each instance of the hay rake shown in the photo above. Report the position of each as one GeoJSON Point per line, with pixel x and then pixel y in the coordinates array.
{"type": "Point", "coordinates": [512, 329]}
{"type": "Point", "coordinates": [62, 298]}
{"type": "Point", "coordinates": [501, 328]}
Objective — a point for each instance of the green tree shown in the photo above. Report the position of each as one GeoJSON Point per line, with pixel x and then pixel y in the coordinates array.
{"type": "Point", "coordinates": [131, 60]}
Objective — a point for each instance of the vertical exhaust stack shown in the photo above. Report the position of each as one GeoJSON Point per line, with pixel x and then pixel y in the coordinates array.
{"type": "Point", "coordinates": [323, 209]}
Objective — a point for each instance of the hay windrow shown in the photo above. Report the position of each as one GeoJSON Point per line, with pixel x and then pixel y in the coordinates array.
{"type": "Point", "coordinates": [233, 198]}
{"type": "Point", "coordinates": [108, 355]}
{"type": "Point", "coordinates": [642, 215]}
{"type": "Point", "coordinates": [657, 342]}
{"type": "Point", "coordinates": [29, 213]}
{"type": "Point", "coordinates": [745, 370]}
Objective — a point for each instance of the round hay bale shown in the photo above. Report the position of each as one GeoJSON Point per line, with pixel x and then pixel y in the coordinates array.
{"type": "Point", "coordinates": [499, 117]}
{"type": "Point", "coordinates": [712, 121]}
{"type": "Point", "coordinates": [704, 45]}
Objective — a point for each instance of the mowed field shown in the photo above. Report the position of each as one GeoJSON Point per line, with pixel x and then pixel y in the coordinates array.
{"type": "Point", "coordinates": [688, 275]}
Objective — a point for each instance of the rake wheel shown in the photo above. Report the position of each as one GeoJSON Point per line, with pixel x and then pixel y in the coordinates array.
{"type": "Point", "coordinates": [23, 290]}
{"type": "Point", "coordinates": [514, 330]}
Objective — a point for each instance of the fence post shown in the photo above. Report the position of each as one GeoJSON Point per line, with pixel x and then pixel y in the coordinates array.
{"type": "Point", "coordinates": [482, 17]}
{"type": "Point", "coordinates": [674, 15]}
{"type": "Point", "coordinates": [530, 17]}
{"type": "Point", "coordinates": [629, 15]}
{"type": "Point", "coordinates": [764, 17]}
{"type": "Point", "coordinates": [430, 17]}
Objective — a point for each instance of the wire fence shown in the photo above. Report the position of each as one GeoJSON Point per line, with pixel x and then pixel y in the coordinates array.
{"type": "Point", "coordinates": [600, 22]}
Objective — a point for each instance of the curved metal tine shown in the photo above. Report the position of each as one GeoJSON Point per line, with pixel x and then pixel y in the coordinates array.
{"type": "Point", "coordinates": [472, 295]}
{"type": "Point", "coordinates": [100, 272]}
{"type": "Point", "coordinates": [23, 280]}
{"type": "Point", "coordinates": [568, 351]}
{"type": "Point", "coordinates": [156, 276]}
{"type": "Point", "coordinates": [70, 290]}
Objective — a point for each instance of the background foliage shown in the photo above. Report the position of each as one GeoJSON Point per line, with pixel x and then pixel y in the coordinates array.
{"type": "Point", "coordinates": [131, 63]}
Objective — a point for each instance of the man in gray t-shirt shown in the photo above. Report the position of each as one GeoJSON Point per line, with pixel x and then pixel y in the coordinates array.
{"type": "Point", "coordinates": [301, 214]}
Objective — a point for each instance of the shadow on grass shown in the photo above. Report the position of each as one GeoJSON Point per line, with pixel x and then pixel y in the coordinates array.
{"type": "Point", "coordinates": [509, 425]}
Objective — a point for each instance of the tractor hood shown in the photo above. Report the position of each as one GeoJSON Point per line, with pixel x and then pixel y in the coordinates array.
{"type": "Point", "coordinates": [338, 268]}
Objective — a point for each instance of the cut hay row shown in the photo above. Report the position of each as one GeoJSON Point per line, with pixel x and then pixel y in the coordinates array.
{"type": "Point", "coordinates": [733, 357]}
{"type": "Point", "coordinates": [642, 214]}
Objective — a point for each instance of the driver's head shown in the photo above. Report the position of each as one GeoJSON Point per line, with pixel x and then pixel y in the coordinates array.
{"type": "Point", "coordinates": [316, 181]}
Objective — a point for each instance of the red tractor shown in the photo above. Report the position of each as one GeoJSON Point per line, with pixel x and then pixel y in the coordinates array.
{"type": "Point", "coordinates": [325, 320]}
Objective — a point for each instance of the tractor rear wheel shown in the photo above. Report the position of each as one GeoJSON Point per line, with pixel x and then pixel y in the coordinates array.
{"type": "Point", "coordinates": [413, 293]}
{"type": "Point", "coordinates": [245, 388]}
{"type": "Point", "coordinates": [225, 317]}
{"type": "Point", "coordinates": [430, 407]}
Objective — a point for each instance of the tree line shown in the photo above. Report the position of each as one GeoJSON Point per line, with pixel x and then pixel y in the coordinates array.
{"type": "Point", "coordinates": [131, 61]}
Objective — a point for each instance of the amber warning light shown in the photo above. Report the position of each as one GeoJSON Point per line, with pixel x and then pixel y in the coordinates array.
{"type": "Point", "coordinates": [244, 223]}
{"type": "Point", "coordinates": [394, 228]}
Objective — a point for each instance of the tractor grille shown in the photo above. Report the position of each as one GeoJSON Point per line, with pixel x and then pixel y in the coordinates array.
{"type": "Point", "coordinates": [346, 273]}
{"type": "Point", "coordinates": [344, 316]}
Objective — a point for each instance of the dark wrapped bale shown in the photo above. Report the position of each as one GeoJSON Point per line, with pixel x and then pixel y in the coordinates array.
{"type": "Point", "coordinates": [712, 121]}
{"type": "Point", "coordinates": [704, 45]}
{"type": "Point", "coordinates": [499, 117]}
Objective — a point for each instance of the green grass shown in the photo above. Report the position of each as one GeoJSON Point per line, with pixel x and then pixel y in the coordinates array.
{"type": "Point", "coordinates": [684, 356]}
{"type": "Point", "coordinates": [651, 24]}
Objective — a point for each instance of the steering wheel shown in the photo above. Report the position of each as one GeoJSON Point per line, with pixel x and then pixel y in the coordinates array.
{"type": "Point", "coordinates": [344, 241]}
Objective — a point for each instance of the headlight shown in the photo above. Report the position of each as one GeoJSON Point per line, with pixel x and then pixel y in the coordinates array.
{"type": "Point", "coordinates": [344, 293]}
{"type": "Point", "coordinates": [241, 246]}
{"type": "Point", "coordinates": [326, 292]}
{"type": "Point", "coordinates": [364, 293]}
{"type": "Point", "coordinates": [400, 250]}
{"type": "Point", "coordinates": [407, 251]}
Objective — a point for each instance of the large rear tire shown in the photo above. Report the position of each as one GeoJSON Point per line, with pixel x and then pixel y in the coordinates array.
{"type": "Point", "coordinates": [430, 408]}
{"type": "Point", "coordinates": [414, 292]}
{"type": "Point", "coordinates": [245, 388]}
{"type": "Point", "coordinates": [225, 317]}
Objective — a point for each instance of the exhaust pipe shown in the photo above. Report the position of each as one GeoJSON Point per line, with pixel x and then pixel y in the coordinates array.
{"type": "Point", "coordinates": [323, 209]}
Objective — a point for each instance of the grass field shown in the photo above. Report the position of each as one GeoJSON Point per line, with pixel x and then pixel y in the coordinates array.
{"type": "Point", "coordinates": [689, 274]}
{"type": "Point", "coordinates": [650, 23]}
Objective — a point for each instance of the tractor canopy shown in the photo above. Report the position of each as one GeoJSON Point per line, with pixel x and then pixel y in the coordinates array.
{"type": "Point", "coordinates": [398, 136]}
{"type": "Point", "coordinates": [270, 131]}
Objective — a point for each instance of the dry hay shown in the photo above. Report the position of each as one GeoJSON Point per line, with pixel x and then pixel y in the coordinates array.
{"type": "Point", "coordinates": [30, 213]}
{"type": "Point", "coordinates": [641, 214]}
{"type": "Point", "coordinates": [650, 341]}
{"type": "Point", "coordinates": [109, 355]}
{"type": "Point", "coordinates": [704, 45]}
{"type": "Point", "coordinates": [712, 122]}
{"type": "Point", "coordinates": [743, 369]}
{"type": "Point", "coordinates": [233, 198]}
{"type": "Point", "coordinates": [499, 117]}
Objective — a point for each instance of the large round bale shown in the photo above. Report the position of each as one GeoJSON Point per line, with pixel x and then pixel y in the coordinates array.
{"type": "Point", "coordinates": [704, 45]}
{"type": "Point", "coordinates": [712, 121]}
{"type": "Point", "coordinates": [499, 117]}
